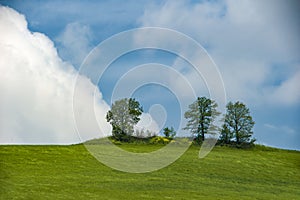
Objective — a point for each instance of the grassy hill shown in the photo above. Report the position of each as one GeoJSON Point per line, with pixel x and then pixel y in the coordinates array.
{"type": "Point", "coordinates": [70, 172]}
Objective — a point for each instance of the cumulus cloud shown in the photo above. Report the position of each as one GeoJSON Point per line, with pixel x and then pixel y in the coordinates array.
{"type": "Point", "coordinates": [74, 43]}
{"type": "Point", "coordinates": [37, 89]}
{"type": "Point", "coordinates": [147, 123]}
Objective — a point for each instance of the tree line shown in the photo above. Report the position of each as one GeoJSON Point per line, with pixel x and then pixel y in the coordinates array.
{"type": "Point", "coordinates": [236, 130]}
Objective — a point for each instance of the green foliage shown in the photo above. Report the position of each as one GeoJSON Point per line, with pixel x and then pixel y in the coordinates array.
{"type": "Point", "coordinates": [124, 114]}
{"type": "Point", "coordinates": [238, 125]}
{"type": "Point", "coordinates": [129, 140]}
{"type": "Point", "coordinates": [116, 142]}
{"type": "Point", "coordinates": [201, 115]}
{"type": "Point", "coordinates": [226, 135]}
{"type": "Point", "coordinates": [159, 140]}
{"type": "Point", "coordinates": [169, 132]}
{"type": "Point", "coordinates": [135, 110]}
{"type": "Point", "coordinates": [71, 172]}
{"type": "Point", "coordinates": [233, 144]}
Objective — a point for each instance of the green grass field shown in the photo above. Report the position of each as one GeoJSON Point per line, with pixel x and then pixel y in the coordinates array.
{"type": "Point", "coordinates": [70, 172]}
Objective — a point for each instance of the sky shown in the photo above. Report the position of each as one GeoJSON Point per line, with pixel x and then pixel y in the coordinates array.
{"type": "Point", "coordinates": [254, 44]}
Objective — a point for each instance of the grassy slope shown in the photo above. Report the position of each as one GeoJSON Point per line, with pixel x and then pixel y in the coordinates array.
{"type": "Point", "coordinates": [70, 172]}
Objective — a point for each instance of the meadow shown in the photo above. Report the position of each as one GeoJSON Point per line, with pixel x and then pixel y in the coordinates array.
{"type": "Point", "coordinates": [70, 172]}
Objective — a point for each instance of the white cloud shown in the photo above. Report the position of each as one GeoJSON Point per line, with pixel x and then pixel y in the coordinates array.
{"type": "Point", "coordinates": [288, 92]}
{"type": "Point", "coordinates": [283, 129]}
{"type": "Point", "coordinates": [270, 126]}
{"type": "Point", "coordinates": [244, 38]}
{"type": "Point", "coordinates": [74, 43]}
{"type": "Point", "coordinates": [147, 123]}
{"type": "Point", "coordinates": [36, 89]}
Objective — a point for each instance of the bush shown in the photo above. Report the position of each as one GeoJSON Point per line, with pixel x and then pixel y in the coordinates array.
{"type": "Point", "coordinates": [159, 140]}
{"type": "Point", "coordinates": [116, 142]}
{"type": "Point", "coordinates": [242, 145]}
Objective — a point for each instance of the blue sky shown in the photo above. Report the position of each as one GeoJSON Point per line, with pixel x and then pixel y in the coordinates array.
{"type": "Point", "coordinates": [255, 45]}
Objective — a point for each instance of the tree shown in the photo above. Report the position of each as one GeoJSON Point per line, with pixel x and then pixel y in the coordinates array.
{"type": "Point", "coordinates": [142, 133]}
{"type": "Point", "coordinates": [201, 115]}
{"type": "Point", "coordinates": [169, 132]}
{"type": "Point", "coordinates": [124, 114]}
{"type": "Point", "coordinates": [239, 122]}
{"type": "Point", "coordinates": [226, 135]}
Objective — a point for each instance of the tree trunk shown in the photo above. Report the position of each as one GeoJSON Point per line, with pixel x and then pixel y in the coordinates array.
{"type": "Point", "coordinates": [237, 137]}
{"type": "Point", "coordinates": [202, 132]}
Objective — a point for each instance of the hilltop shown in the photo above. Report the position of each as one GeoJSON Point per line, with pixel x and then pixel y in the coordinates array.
{"type": "Point", "coordinates": [70, 172]}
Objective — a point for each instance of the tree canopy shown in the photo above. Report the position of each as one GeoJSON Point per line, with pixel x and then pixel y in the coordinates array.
{"type": "Point", "coordinates": [124, 114]}
{"type": "Point", "coordinates": [169, 132]}
{"type": "Point", "coordinates": [238, 124]}
{"type": "Point", "coordinates": [201, 115]}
